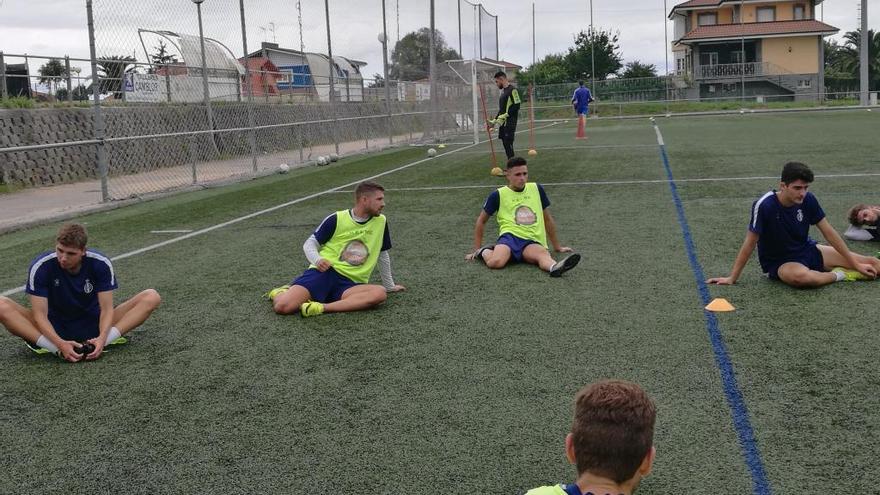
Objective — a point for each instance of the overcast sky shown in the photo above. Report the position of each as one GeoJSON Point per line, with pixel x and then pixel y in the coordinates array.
{"type": "Point", "coordinates": [58, 27]}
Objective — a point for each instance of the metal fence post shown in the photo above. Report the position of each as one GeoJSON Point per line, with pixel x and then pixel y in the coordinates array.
{"type": "Point", "coordinates": [249, 87]}
{"type": "Point", "coordinates": [69, 83]}
{"type": "Point", "coordinates": [2, 77]}
{"type": "Point", "coordinates": [99, 117]}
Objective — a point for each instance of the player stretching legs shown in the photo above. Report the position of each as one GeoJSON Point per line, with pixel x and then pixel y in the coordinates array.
{"type": "Point", "coordinates": [523, 232]}
{"type": "Point", "coordinates": [779, 227]}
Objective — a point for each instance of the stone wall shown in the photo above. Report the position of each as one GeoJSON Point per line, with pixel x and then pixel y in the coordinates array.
{"type": "Point", "coordinates": [21, 127]}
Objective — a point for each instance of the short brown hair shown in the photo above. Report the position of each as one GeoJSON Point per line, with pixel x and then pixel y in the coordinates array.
{"type": "Point", "coordinates": [854, 214]}
{"type": "Point", "coordinates": [72, 235]}
{"type": "Point", "coordinates": [516, 161]}
{"type": "Point", "coordinates": [613, 429]}
{"type": "Point", "coordinates": [367, 187]}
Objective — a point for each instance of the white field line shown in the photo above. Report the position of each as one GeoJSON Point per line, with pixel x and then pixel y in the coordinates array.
{"type": "Point", "coordinates": [614, 182]}
{"type": "Point", "coordinates": [181, 231]}
{"type": "Point", "coordinates": [255, 214]}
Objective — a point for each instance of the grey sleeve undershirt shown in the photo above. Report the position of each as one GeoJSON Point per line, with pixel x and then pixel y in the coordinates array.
{"type": "Point", "coordinates": [311, 248]}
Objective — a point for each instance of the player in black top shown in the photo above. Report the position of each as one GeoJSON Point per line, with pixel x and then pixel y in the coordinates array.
{"type": "Point", "coordinates": [508, 111]}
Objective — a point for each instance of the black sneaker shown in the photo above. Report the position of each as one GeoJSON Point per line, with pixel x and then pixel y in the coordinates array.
{"type": "Point", "coordinates": [565, 264]}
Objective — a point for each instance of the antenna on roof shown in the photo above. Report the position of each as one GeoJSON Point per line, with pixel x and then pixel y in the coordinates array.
{"type": "Point", "coordinates": [299, 14]}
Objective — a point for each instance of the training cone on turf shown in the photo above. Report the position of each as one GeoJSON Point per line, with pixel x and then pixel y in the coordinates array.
{"type": "Point", "coordinates": [497, 172]}
{"type": "Point", "coordinates": [582, 124]}
{"type": "Point", "coordinates": [719, 305]}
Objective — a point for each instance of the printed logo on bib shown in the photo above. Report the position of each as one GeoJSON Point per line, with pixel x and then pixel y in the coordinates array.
{"type": "Point", "coordinates": [355, 253]}
{"type": "Point", "coordinates": [525, 216]}
{"type": "Point", "coordinates": [57, 282]}
{"type": "Point", "coordinates": [88, 287]}
{"type": "Point", "coordinates": [800, 215]}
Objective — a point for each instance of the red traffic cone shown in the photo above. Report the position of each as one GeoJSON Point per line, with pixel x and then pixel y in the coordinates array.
{"type": "Point", "coordinates": [582, 123]}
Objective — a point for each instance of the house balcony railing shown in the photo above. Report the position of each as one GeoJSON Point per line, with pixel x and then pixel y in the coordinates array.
{"type": "Point", "coordinates": [748, 69]}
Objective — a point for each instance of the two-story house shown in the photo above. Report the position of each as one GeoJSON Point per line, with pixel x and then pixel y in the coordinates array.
{"type": "Point", "coordinates": [759, 48]}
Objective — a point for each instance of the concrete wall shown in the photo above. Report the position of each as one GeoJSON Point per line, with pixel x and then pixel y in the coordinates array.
{"type": "Point", "coordinates": [802, 59]}
{"type": "Point", "coordinates": [22, 127]}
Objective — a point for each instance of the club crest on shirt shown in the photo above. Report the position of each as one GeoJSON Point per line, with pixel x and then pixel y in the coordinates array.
{"type": "Point", "coordinates": [88, 287]}
{"type": "Point", "coordinates": [800, 215]}
{"type": "Point", "coordinates": [57, 283]}
{"type": "Point", "coordinates": [525, 216]}
{"type": "Point", "coordinates": [355, 253]}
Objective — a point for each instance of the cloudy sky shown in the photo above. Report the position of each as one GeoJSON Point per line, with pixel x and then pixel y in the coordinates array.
{"type": "Point", "coordinates": [58, 27]}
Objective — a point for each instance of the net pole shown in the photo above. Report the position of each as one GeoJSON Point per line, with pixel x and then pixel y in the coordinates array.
{"type": "Point", "coordinates": [488, 130]}
{"type": "Point", "coordinates": [248, 86]}
{"type": "Point", "coordinates": [99, 116]}
{"type": "Point", "coordinates": [863, 56]}
{"type": "Point", "coordinates": [474, 83]}
{"type": "Point", "coordinates": [531, 116]}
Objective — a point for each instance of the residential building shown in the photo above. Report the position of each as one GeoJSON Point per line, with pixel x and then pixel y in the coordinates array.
{"type": "Point", "coordinates": [757, 48]}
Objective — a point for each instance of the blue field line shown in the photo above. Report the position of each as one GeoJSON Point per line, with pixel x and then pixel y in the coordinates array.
{"type": "Point", "coordinates": [735, 399]}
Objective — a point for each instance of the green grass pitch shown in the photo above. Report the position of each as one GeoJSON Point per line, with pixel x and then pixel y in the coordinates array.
{"type": "Point", "coordinates": [464, 383]}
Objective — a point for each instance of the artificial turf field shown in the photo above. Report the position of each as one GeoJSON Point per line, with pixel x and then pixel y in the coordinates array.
{"type": "Point", "coordinates": [464, 383]}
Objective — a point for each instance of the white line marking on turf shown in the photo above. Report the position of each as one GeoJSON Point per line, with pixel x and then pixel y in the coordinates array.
{"type": "Point", "coordinates": [227, 223]}
{"type": "Point", "coordinates": [598, 146]}
{"type": "Point", "coordinates": [181, 231]}
{"type": "Point", "coordinates": [659, 136]}
{"type": "Point", "coordinates": [611, 182]}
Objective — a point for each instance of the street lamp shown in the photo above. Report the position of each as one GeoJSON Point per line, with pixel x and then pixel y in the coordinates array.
{"type": "Point", "coordinates": [207, 95]}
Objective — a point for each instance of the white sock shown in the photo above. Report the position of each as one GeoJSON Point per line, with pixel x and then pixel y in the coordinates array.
{"type": "Point", "coordinates": [113, 335]}
{"type": "Point", "coordinates": [839, 275]}
{"type": "Point", "coordinates": [46, 344]}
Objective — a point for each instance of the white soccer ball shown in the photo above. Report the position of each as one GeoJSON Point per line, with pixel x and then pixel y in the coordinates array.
{"type": "Point", "coordinates": [283, 168]}
{"type": "Point", "coordinates": [653, 119]}
{"type": "Point", "coordinates": [322, 161]}
{"type": "Point", "coordinates": [334, 157]}
{"type": "Point", "coordinates": [432, 152]}
{"type": "Point", "coordinates": [742, 111]}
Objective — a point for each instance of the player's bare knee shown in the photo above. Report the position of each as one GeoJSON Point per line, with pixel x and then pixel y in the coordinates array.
{"type": "Point", "coordinates": [380, 295]}
{"type": "Point", "coordinates": [284, 307]}
{"type": "Point", "coordinates": [152, 298]}
{"type": "Point", "coordinates": [6, 307]}
{"type": "Point", "coordinates": [495, 263]}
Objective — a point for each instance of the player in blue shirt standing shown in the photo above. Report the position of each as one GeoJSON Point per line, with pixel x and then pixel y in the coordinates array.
{"type": "Point", "coordinates": [581, 100]}
{"type": "Point", "coordinates": [780, 225]}
{"type": "Point", "coordinates": [71, 296]}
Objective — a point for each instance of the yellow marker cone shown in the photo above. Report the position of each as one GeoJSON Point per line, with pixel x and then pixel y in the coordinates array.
{"type": "Point", "coordinates": [720, 305]}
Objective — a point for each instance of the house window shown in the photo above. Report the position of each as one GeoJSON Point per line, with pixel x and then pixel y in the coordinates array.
{"type": "Point", "coordinates": [805, 83]}
{"type": "Point", "coordinates": [680, 65]}
{"type": "Point", "coordinates": [709, 58]}
{"type": "Point", "coordinates": [736, 57]}
{"type": "Point", "coordinates": [710, 19]}
{"type": "Point", "coordinates": [766, 14]}
{"type": "Point", "coordinates": [736, 19]}
{"type": "Point", "coordinates": [799, 12]}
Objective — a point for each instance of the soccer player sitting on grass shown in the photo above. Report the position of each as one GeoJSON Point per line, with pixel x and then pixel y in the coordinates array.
{"type": "Point", "coordinates": [864, 221]}
{"type": "Point", "coordinates": [611, 440]}
{"type": "Point", "coordinates": [71, 295]}
{"type": "Point", "coordinates": [780, 225]}
{"type": "Point", "coordinates": [524, 224]}
{"type": "Point", "coordinates": [343, 252]}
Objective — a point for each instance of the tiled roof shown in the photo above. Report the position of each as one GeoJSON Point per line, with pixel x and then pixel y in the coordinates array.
{"type": "Point", "coordinates": [697, 3]}
{"type": "Point", "coordinates": [755, 29]}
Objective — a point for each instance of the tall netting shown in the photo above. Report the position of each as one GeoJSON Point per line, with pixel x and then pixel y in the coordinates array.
{"type": "Point", "coordinates": [488, 34]}
{"type": "Point", "coordinates": [175, 117]}
{"type": "Point", "coordinates": [469, 30]}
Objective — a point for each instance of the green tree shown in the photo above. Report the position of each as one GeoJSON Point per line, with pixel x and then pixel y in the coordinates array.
{"type": "Point", "coordinates": [51, 72]}
{"type": "Point", "coordinates": [411, 55]}
{"type": "Point", "coordinates": [847, 60]}
{"type": "Point", "coordinates": [111, 73]}
{"type": "Point", "coordinates": [378, 81]}
{"type": "Point", "coordinates": [608, 59]}
{"type": "Point", "coordinates": [636, 69]}
{"type": "Point", "coordinates": [552, 69]}
{"type": "Point", "coordinates": [161, 57]}
{"type": "Point", "coordinates": [81, 93]}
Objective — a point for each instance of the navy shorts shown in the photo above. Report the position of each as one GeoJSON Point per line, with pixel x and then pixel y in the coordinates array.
{"type": "Point", "coordinates": [810, 257]}
{"type": "Point", "coordinates": [80, 329]}
{"type": "Point", "coordinates": [584, 110]}
{"type": "Point", "coordinates": [516, 245]}
{"type": "Point", "coordinates": [324, 287]}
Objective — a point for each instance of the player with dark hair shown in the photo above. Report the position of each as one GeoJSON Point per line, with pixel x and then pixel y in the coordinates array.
{"type": "Point", "coordinates": [343, 251]}
{"type": "Point", "coordinates": [524, 224]}
{"type": "Point", "coordinates": [508, 112]}
{"type": "Point", "coordinates": [864, 221]}
{"type": "Point", "coordinates": [779, 227]}
{"type": "Point", "coordinates": [71, 296]}
{"type": "Point", "coordinates": [611, 440]}
{"type": "Point", "coordinates": [581, 99]}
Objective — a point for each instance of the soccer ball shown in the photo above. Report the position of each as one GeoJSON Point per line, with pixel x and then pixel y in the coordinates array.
{"type": "Point", "coordinates": [653, 119]}
{"type": "Point", "coordinates": [742, 112]}
{"type": "Point", "coordinates": [432, 152]}
{"type": "Point", "coordinates": [283, 168]}
{"type": "Point", "coordinates": [322, 161]}
{"type": "Point", "coordinates": [334, 157]}
{"type": "Point", "coordinates": [533, 152]}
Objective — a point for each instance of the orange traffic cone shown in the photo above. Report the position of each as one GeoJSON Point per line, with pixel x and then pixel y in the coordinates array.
{"type": "Point", "coordinates": [582, 123]}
